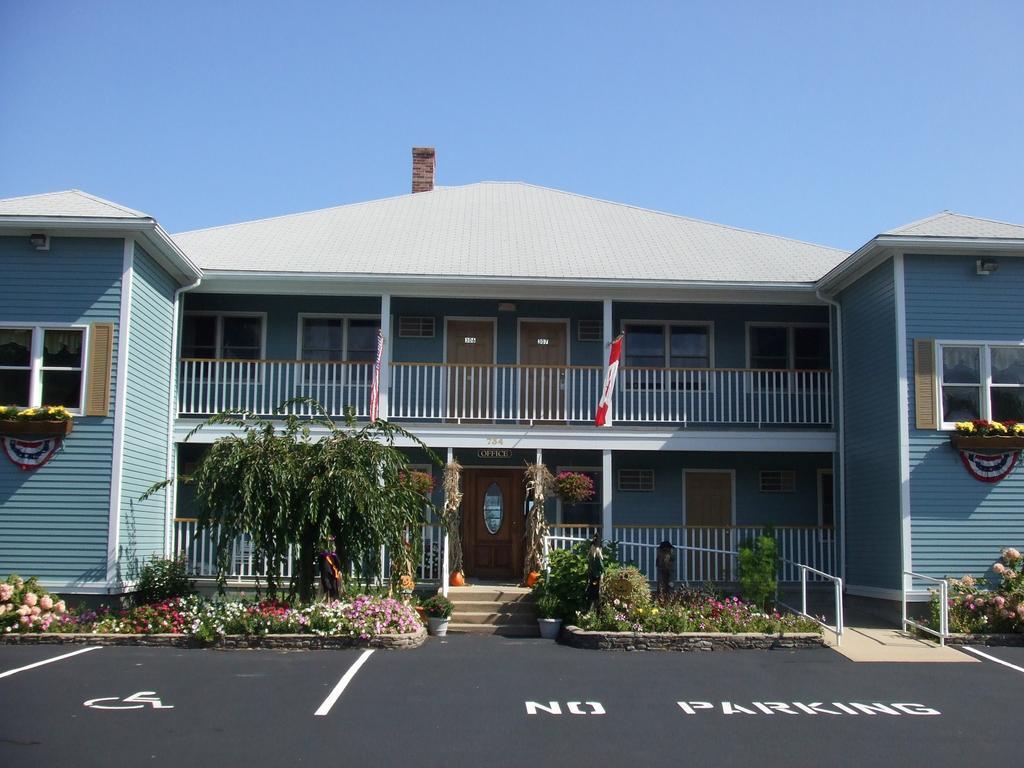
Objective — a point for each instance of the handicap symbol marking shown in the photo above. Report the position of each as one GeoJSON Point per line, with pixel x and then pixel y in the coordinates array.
{"type": "Point", "coordinates": [135, 701]}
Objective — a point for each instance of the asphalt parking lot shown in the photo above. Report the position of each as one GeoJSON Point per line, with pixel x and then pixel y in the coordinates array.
{"type": "Point", "coordinates": [468, 701]}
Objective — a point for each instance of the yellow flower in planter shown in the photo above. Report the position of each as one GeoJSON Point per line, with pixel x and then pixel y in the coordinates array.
{"type": "Point", "coordinates": [1018, 429]}
{"type": "Point", "coordinates": [28, 413]}
{"type": "Point", "coordinates": [965, 427]}
{"type": "Point", "coordinates": [997, 428]}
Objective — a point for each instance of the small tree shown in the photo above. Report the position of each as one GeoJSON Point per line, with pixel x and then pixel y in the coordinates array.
{"type": "Point", "coordinates": [285, 489]}
{"type": "Point", "coordinates": [759, 562]}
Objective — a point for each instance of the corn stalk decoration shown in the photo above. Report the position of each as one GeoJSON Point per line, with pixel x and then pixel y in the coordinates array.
{"type": "Point", "coordinates": [539, 484]}
{"type": "Point", "coordinates": [451, 515]}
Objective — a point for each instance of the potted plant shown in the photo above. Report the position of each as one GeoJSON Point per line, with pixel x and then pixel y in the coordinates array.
{"type": "Point", "coordinates": [46, 421]}
{"type": "Point", "coordinates": [988, 436]}
{"type": "Point", "coordinates": [549, 610]}
{"type": "Point", "coordinates": [574, 487]}
{"type": "Point", "coordinates": [439, 610]}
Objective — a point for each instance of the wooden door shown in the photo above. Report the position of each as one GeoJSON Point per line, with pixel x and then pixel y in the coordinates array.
{"type": "Point", "coordinates": [492, 523]}
{"type": "Point", "coordinates": [543, 344]}
{"type": "Point", "coordinates": [470, 356]}
{"type": "Point", "coordinates": [708, 524]}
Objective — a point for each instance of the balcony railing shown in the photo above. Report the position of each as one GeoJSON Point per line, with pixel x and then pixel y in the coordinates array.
{"type": "Point", "coordinates": [437, 392]}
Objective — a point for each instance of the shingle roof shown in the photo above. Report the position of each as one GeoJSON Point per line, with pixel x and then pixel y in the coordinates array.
{"type": "Point", "coordinates": [957, 225]}
{"type": "Point", "coordinates": [502, 229]}
{"type": "Point", "coordinates": [71, 203]}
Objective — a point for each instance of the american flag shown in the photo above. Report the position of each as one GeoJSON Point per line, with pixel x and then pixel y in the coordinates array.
{"type": "Point", "coordinates": [375, 386]}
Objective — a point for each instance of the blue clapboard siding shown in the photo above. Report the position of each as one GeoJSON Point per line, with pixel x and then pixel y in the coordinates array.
{"type": "Point", "coordinates": [150, 360]}
{"type": "Point", "coordinates": [54, 520]}
{"type": "Point", "coordinates": [959, 524]}
{"type": "Point", "coordinates": [664, 506]}
{"type": "Point", "coordinates": [873, 555]}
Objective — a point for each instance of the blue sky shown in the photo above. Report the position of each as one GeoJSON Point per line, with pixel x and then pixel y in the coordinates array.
{"type": "Point", "coordinates": [824, 121]}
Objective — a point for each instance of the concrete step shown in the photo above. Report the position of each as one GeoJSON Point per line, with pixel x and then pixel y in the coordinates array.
{"type": "Point", "coordinates": [505, 630]}
{"type": "Point", "coordinates": [489, 595]}
{"type": "Point", "coordinates": [494, 619]}
{"type": "Point", "coordinates": [518, 607]}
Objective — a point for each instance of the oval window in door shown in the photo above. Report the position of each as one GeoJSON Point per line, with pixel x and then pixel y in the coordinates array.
{"type": "Point", "coordinates": [494, 508]}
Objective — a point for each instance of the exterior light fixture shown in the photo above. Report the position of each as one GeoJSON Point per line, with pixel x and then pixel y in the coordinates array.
{"type": "Point", "coordinates": [986, 266]}
{"type": "Point", "coordinates": [40, 241]}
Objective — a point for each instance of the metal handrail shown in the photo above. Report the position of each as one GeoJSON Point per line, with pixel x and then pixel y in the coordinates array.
{"type": "Point", "coordinates": [837, 584]}
{"type": "Point", "coordinates": [943, 632]}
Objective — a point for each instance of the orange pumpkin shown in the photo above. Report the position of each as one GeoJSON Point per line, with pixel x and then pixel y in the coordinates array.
{"type": "Point", "coordinates": [531, 578]}
{"type": "Point", "coordinates": [457, 579]}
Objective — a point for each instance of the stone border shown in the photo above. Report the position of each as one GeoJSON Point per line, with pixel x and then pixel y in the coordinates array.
{"type": "Point", "coordinates": [227, 642]}
{"type": "Point", "coordinates": [685, 641]}
{"type": "Point", "coordinates": [1012, 638]}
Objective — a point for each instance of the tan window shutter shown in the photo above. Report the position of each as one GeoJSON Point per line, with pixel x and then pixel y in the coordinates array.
{"type": "Point", "coordinates": [924, 384]}
{"type": "Point", "coordinates": [97, 370]}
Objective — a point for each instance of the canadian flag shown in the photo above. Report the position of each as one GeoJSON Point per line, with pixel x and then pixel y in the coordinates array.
{"type": "Point", "coordinates": [375, 384]}
{"type": "Point", "coordinates": [609, 383]}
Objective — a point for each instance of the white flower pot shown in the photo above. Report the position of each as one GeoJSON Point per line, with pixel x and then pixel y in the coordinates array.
{"type": "Point", "coordinates": [549, 628]}
{"type": "Point", "coordinates": [437, 626]}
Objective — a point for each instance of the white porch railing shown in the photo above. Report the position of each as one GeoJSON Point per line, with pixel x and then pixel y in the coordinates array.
{"type": "Point", "coordinates": [709, 554]}
{"type": "Point", "coordinates": [200, 555]}
{"type": "Point", "coordinates": [905, 622]}
{"type": "Point", "coordinates": [837, 598]}
{"type": "Point", "coordinates": [206, 387]}
{"type": "Point", "coordinates": [723, 396]}
{"type": "Point", "coordinates": [512, 393]}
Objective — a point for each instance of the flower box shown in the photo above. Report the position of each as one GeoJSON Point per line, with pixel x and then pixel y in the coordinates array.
{"type": "Point", "coordinates": [27, 428]}
{"type": "Point", "coordinates": [987, 443]}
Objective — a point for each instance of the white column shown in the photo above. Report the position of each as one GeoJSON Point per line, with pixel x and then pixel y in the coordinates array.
{"type": "Point", "coordinates": [609, 334]}
{"type": "Point", "coordinates": [606, 494]}
{"type": "Point", "coordinates": [385, 357]}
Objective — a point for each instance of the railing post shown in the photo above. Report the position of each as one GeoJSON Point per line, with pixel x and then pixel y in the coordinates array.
{"type": "Point", "coordinates": [903, 602]}
{"type": "Point", "coordinates": [803, 589]}
{"type": "Point", "coordinates": [445, 566]}
{"type": "Point", "coordinates": [606, 495]}
{"type": "Point", "coordinates": [838, 584]}
{"type": "Point", "coordinates": [944, 613]}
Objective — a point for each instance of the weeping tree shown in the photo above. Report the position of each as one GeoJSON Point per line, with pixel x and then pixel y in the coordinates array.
{"type": "Point", "coordinates": [293, 491]}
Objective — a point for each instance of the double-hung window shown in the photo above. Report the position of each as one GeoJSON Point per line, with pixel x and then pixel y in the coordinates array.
{"type": "Point", "coordinates": [222, 336]}
{"type": "Point", "coordinates": [652, 345]}
{"type": "Point", "coordinates": [352, 339]}
{"type": "Point", "coordinates": [981, 381]}
{"type": "Point", "coordinates": [41, 365]}
{"type": "Point", "coordinates": [800, 351]}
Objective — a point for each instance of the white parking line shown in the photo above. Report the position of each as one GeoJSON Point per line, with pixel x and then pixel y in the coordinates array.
{"type": "Point", "coordinates": [993, 658]}
{"type": "Point", "coordinates": [48, 661]}
{"type": "Point", "coordinates": [340, 687]}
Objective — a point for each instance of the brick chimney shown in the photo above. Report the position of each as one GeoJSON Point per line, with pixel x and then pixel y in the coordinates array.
{"type": "Point", "coordinates": [422, 169]}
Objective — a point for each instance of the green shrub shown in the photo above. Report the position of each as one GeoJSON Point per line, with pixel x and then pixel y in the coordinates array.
{"type": "Point", "coordinates": [566, 578]}
{"type": "Point", "coordinates": [627, 585]}
{"type": "Point", "coordinates": [438, 607]}
{"type": "Point", "coordinates": [162, 578]}
{"type": "Point", "coordinates": [548, 607]}
{"type": "Point", "coordinates": [758, 561]}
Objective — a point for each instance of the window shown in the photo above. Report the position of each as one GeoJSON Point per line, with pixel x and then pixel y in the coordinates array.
{"type": "Point", "coordinates": [981, 381]}
{"type": "Point", "coordinates": [789, 347]}
{"type": "Point", "coordinates": [777, 481]}
{"type": "Point", "coordinates": [227, 337]}
{"type": "Point", "coordinates": [338, 338]}
{"type": "Point", "coordinates": [41, 366]}
{"type": "Point", "coordinates": [586, 512]}
{"type": "Point", "coordinates": [667, 345]}
{"type": "Point", "coordinates": [641, 480]}
{"type": "Point", "coordinates": [826, 499]}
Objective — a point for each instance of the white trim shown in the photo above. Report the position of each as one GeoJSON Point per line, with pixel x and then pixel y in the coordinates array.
{"type": "Point", "coordinates": [519, 334]}
{"type": "Point", "coordinates": [903, 419]}
{"type": "Point", "coordinates": [494, 335]}
{"type": "Point", "coordinates": [384, 323]}
{"type": "Point", "coordinates": [732, 489]}
{"type": "Point", "coordinates": [985, 384]}
{"type": "Point", "coordinates": [218, 342]}
{"type": "Point", "coordinates": [583, 437]}
{"type": "Point", "coordinates": [170, 493]}
{"type": "Point", "coordinates": [36, 367]}
{"type": "Point", "coordinates": [117, 453]}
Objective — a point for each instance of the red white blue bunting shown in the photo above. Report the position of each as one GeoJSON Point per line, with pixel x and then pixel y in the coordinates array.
{"type": "Point", "coordinates": [989, 467]}
{"type": "Point", "coordinates": [31, 454]}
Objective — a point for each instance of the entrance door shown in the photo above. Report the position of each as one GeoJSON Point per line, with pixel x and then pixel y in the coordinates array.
{"type": "Point", "coordinates": [492, 523]}
{"type": "Point", "coordinates": [470, 356]}
{"type": "Point", "coordinates": [542, 388]}
{"type": "Point", "coordinates": [708, 525]}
